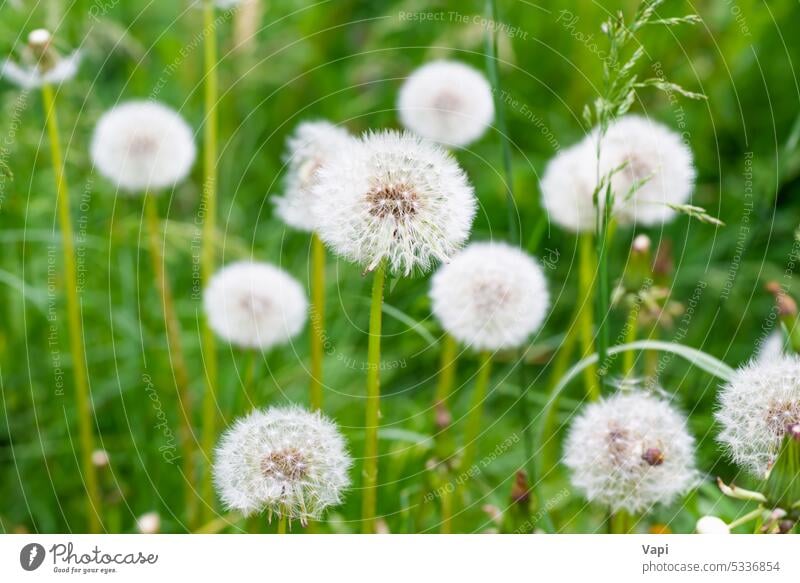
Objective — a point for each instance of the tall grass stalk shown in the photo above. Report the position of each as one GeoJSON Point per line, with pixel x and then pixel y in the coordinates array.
{"type": "Point", "coordinates": [83, 397]}
{"type": "Point", "coordinates": [175, 348]}
{"type": "Point", "coordinates": [318, 320]}
{"type": "Point", "coordinates": [370, 470]}
{"type": "Point", "coordinates": [208, 247]}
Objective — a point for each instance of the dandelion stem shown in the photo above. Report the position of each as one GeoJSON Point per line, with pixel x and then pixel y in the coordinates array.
{"type": "Point", "coordinates": [83, 397]}
{"type": "Point", "coordinates": [370, 471]}
{"type": "Point", "coordinates": [282, 523]}
{"type": "Point", "coordinates": [586, 261]}
{"type": "Point", "coordinates": [603, 241]}
{"type": "Point", "coordinates": [318, 318]}
{"type": "Point", "coordinates": [218, 524]}
{"type": "Point", "coordinates": [175, 349]}
{"type": "Point", "coordinates": [744, 519]}
{"type": "Point", "coordinates": [629, 358]}
{"type": "Point", "coordinates": [444, 388]}
{"type": "Point", "coordinates": [208, 248]}
{"type": "Point", "coordinates": [476, 411]}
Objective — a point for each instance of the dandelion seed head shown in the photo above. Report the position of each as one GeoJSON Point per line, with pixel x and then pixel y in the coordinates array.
{"type": "Point", "coordinates": [143, 146]}
{"type": "Point", "coordinates": [149, 523]}
{"type": "Point", "coordinates": [447, 102]}
{"type": "Point", "coordinates": [630, 452]}
{"type": "Point", "coordinates": [654, 158]}
{"type": "Point", "coordinates": [395, 197]}
{"type": "Point", "coordinates": [772, 347]}
{"type": "Point", "coordinates": [283, 460]}
{"type": "Point", "coordinates": [41, 64]}
{"type": "Point", "coordinates": [39, 37]}
{"type": "Point", "coordinates": [712, 525]}
{"type": "Point", "coordinates": [308, 148]}
{"type": "Point", "coordinates": [490, 296]}
{"type": "Point", "coordinates": [755, 409]}
{"type": "Point", "coordinates": [567, 187]}
{"type": "Point", "coordinates": [255, 305]}
{"type": "Point", "coordinates": [650, 169]}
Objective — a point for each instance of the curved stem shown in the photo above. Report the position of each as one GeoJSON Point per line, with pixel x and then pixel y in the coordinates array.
{"type": "Point", "coordinates": [370, 471]}
{"type": "Point", "coordinates": [476, 411]}
{"type": "Point", "coordinates": [175, 349]}
{"type": "Point", "coordinates": [207, 252]}
{"type": "Point", "coordinates": [586, 262]}
{"type": "Point", "coordinates": [83, 397]}
{"type": "Point", "coordinates": [318, 319]}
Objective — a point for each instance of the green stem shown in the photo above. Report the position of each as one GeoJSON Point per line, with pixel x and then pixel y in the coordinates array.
{"type": "Point", "coordinates": [586, 262]}
{"type": "Point", "coordinates": [620, 522]}
{"type": "Point", "coordinates": [370, 471]}
{"type": "Point", "coordinates": [207, 252]}
{"type": "Point", "coordinates": [218, 524]}
{"type": "Point", "coordinates": [318, 319]}
{"type": "Point", "coordinates": [175, 348]}
{"type": "Point", "coordinates": [603, 240]}
{"type": "Point", "coordinates": [282, 523]}
{"type": "Point", "coordinates": [473, 428]}
{"type": "Point", "coordinates": [83, 397]}
{"type": "Point", "coordinates": [446, 502]}
{"type": "Point", "coordinates": [444, 388]}
{"type": "Point", "coordinates": [746, 518]}
{"type": "Point", "coordinates": [248, 384]}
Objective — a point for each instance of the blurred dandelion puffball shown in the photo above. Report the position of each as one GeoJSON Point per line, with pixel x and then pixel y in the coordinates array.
{"type": "Point", "coordinates": [395, 197]}
{"type": "Point", "coordinates": [255, 305]}
{"type": "Point", "coordinates": [630, 451]}
{"type": "Point", "coordinates": [143, 146]}
{"type": "Point", "coordinates": [650, 168]}
{"type": "Point", "coordinates": [490, 296]}
{"type": "Point", "coordinates": [308, 148]}
{"type": "Point", "coordinates": [284, 460]}
{"type": "Point", "coordinates": [447, 102]}
{"type": "Point", "coordinates": [712, 525]}
{"type": "Point", "coordinates": [149, 523]}
{"type": "Point", "coordinates": [755, 409]}
{"type": "Point", "coordinates": [43, 65]}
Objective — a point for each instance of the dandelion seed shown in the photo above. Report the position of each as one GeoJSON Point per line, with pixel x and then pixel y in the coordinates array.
{"type": "Point", "coordinates": [143, 146]}
{"type": "Point", "coordinates": [630, 452]}
{"type": "Point", "coordinates": [255, 305]}
{"type": "Point", "coordinates": [712, 525]}
{"type": "Point", "coordinates": [491, 296]}
{"type": "Point", "coordinates": [567, 187]}
{"type": "Point", "coordinates": [282, 460]}
{"type": "Point", "coordinates": [447, 102]}
{"type": "Point", "coordinates": [310, 146]}
{"type": "Point", "coordinates": [756, 407]}
{"type": "Point", "coordinates": [41, 63]}
{"type": "Point", "coordinates": [394, 197]}
{"type": "Point", "coordinates": [149, 523]}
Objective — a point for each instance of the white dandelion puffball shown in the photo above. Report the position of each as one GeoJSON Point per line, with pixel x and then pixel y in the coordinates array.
{"type": "Point", "coordinates": [255, 305]}
{"type": "Point", "coordinates": [491, 296]}
{"type": "Point", "coordinates": [654, 158]}
{"type": "Point", "coordinates": [149, 523]}
{"type": "Point", "coordinates": [773, 346]}
{"type": "Point", "coordinates": [308, 148]}
{"type": "Point", "coordinates": [567, 187]}
{"type": "Point", "coordinates": [447, 102]}
{"type": "Point", "coordinates": [755, 408]}
{"type": "Point", "coordinates": [283, 460]}
{"type": "Point", "coordinates": [393, 196]}
{"type": "Point", "coordinates": [143, 146]}
{"type": "Point", "coordinates": [630, 451]}
{"type": "Point", "coordinates": [712, 525]}
{"type": "Point", "coordinates": [44, 66]}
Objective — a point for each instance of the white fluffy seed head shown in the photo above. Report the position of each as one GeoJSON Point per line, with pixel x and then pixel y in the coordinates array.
{"type": "Point", "coordinates": [712, 525]}
{"type": "Point", "coordinates": [143, 146]}
{"type": "Point", "coordinates": [651, 169]}
{"type": "Point", "coordinates": [447, 102]}
{"type": "Point", "coordinates": [255, 305]}
{"type": "Point", "coordinates": [149, 523]}
{"type": "Point", "coordinates": [656, 159]}
{"type": "Point", "coordinates": [491, 296]}
{"type": "Point", "coordinates": [773, 346]}
{"type": "Point", "coordinates": [630, 452]}
{"type": "Point", "coordinates": [755, 408]}
{"type": "Point", "coordinates": [567, 187]}
{"type": "Point", "coordinates": [395, 197]}
{"type": "Point", "coordinates": [283, 460]}
{"type": "Point", "coordinates": [308, 148]}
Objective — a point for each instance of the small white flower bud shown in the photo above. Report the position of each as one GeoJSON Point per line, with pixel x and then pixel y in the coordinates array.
{"type": "Point", "coordinates": [712, 525]}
